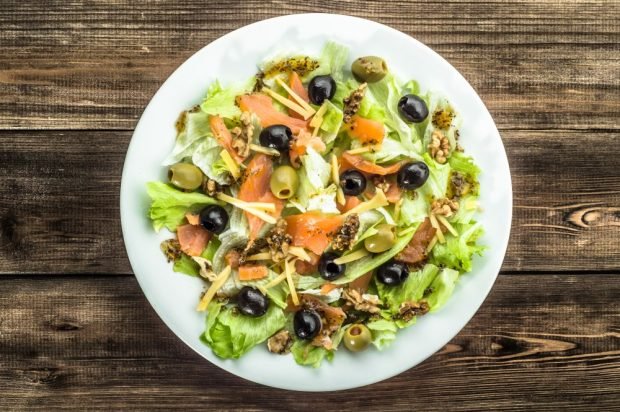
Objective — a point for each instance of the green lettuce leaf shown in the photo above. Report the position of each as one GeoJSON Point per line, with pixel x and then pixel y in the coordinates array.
{"type": "Point", "coordinates": [313, 176]}
{"type": "Point", "coordinates": [411, 290]}
{"type": "Point", "coordinates": [458, 251]}
{"type": "Point", "coordinates": [196, 129]}
{"type": "Point", "coordinates": [185, 264]}
{"type": "Point", "coordinates": [206, 156]}
{"type": "Point", "coordinates": [442, 288]}
{"type": "Point", "coordinates": [231, 334]}
{"type": "Point", "coordinates": [221, 101]}
{"type": "Point", "coordinates": [436, 185]}
{"type": "Point", "coordinates": [366, 264]}
{"type": "Point", "coordinates": [309, 355]}
{"type": "Point", "coordinates": [332, 120]}
{"type": "Point", "coordinates": [413, 210]}
{"type": "Point", "coordinates": [332, 61]}
{"type": "Point", "coordinates": [169, 205]}
{"type": "Point", "coordinates": [383, 332]}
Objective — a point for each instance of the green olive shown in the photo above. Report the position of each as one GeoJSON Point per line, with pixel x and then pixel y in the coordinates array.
{"type": "Point", "coordinates": [369, 69]}
{"type": "Point", "coordinates": [284, 182]}
{"type": "Point", "coordinates": [381, 241]}
{"type": "Point", "coordinates": [357, 337]}
{"type": "Point", "coordinates": [185, 176]}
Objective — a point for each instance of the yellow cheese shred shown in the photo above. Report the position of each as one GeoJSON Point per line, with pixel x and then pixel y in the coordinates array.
{"type": "Point", "coordinates": [295, 96]}
{"type": "Point", "coordinates": [378, 200]}
{"type": "Point", "coordinates": [288, 103]}
{"type": "Point", "coordinates": [351, 257]}
{"type": "Point", "coordinates": [288, 270]}
{"type": "Point", "coordinates": [233, 167]}
{"type": "Point", "coordinates": [215, 286]}
{"type": "Point", "coordinates": [247, 207]}
{"type": "Point", "coordinates": [266, 150]}
{"type": "Point", "coordinates": [438, 233]}
{"type": "Point", "coordinates": [259, 256]}
{"type": "Point", "coordinates": [447, 224]}
{"type": "Point", "coordinates": [299, 252]}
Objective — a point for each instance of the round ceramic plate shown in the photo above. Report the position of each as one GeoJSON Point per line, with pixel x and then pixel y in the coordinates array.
{"type": "Point", "coordinates": [233, 58]}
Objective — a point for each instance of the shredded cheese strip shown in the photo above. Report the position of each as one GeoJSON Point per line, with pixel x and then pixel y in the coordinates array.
{"type": "Point", "coordinates": [447, 224]}
{"type": "Point", "coordinates": [231, 164]}
{"type": "Point", "coordinates": [215, 286]}
{"type": "Point", "coordinates": [397, 208]}
{"type": "Point", "coordinates": [288, 103]}
{"type": "Point", "coordinates": [335, 169]}
{"type": "Point", "coordinates": [295, 96]}
{"type": "Point", "coordinates": [275, 281]}
{"type": "Point", "coordinates": [352, 257]}
{"type": "Point", "coordinates": [363, 149]}
{"type": "Point", "coordinates": [288, 270]}
{"type": "Point", "coordinates": [264, 206]}
{"type": "Point", "coordinates": [259, 256]}
{"type": "Point", "coordinates": [340, 197]}
{"type": "Point", "coordinates": [439, 233]}
{"type": "Point", "coordinates": [431, 245]}
{"type": "Point", "coordinates": [318, 116]}
{"type": "Point", "coordinates": [299, 252]}
{"type": "Point", "coordinates": [247, 207]}
{"type": "Point", "coordinates": [315, 131]}
{"type": "Point", "coordinates": [378, 200]}
{"type": "Point", "coordinates": [406, 231]}
{"type": "Point", "coordinates": [266, 150]}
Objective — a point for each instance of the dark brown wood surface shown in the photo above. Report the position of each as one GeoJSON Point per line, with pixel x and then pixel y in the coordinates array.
{"type": "Point", "coordinates": [75, 77]}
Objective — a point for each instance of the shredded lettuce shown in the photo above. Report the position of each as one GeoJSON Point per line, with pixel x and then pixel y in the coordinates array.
{"type": "Point", "coordinates": [332, 61]}
{"type": "Point", "coordinates": [332, 120]}
{"type": "Point", "coordinates": [442, 288]}
{"type": "Point", "coordinates": [413, 210]}
{"type": "Point", "coordinates": [436, 185]}
{"type": "Point", "coordinates": [383, 332]}
{"type": "Point", "coordinates": [207, 157]}
{"type": "Point", "coordinates": [195, 129]}
{"type": "Point", "coordinates": [313, 177]}
{"type": "Point", "coordinates": [458, 251]}
{"type": "Point", "coordinates": [221, 101]}
{"type": "Point", "coordinates": [169, 205]}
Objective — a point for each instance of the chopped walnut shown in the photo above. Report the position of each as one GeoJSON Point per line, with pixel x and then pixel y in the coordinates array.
{"type": "Point", "coordinates": [442, 118]}
{"type": "Point", "coordinates": [362, 302]}
{"type": "Point", "coordinates": [381, 182]}
{"type": "Point", "coordinates": [171, 249]}
{"type": "Point", "coordinates": [211, 187]}
{"type": "Point", "coordinates": [280, 343]}
{"type": "Point", "coordinates": [242, 136]}
{"type": "Point", "coordinates": [353, 102]}
{"type": "Point", "coordinates": [459, 185]}
{"type": "Point", "coordinates": [439, 147]}
{"type": "Point", "coordinates": [409, 310]}
{"type": "Point", "coordinates": [278, 241]}
{"type": "Point", "coordinates": [346, 234]}
{"type": "Point", "coordinates": [444, 207]}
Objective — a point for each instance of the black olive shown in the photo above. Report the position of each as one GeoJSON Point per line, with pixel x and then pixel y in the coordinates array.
{"type": "Point", "coordinates": [353, 182]}
{"type": "Point", "coordinates": [251, 302]}
{"type": "Point", "coordinates": [276, 137]}
{"type": "Point", "coordinates": [412, 108]}
{"type": "Point", "coordinates": [214, 218]}
{"type": "Point", "coordinates": [307, 324]}
{"type": "Point", "coordinates": [321, 88]}
{"type": "Point", "coordinates": [392, 273]}
{"type": "Point", "coordinates": [328, 269]}
{"type": "Point", "coordinates": [412, 175]}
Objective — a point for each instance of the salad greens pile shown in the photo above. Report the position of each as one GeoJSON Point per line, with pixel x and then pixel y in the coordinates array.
{"type": "Point", "coordinates": [323, 205]}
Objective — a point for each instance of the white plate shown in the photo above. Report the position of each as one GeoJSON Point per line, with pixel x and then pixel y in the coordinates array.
{"type": "Point", "coordinates": [233, 58]}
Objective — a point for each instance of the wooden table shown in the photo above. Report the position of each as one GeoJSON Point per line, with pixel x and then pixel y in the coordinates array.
{"type": "Point", "coordinates": [75, 329]}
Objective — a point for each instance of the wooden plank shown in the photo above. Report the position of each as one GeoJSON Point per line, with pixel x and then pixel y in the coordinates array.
{"type": "Point", "coordinates": [66, 216]}
{"type": "Point", "coordinates": [536, 64]}
{"type": "Point", "coordinates": [95, 342]}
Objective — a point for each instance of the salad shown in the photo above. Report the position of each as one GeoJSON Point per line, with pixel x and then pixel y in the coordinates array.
{"type": "Point", "coordinates": [325, 206]}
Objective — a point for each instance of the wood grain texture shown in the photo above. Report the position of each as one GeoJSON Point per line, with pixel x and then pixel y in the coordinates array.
{"type": "Point", "coordinates": [98, 344]}
{"type": "Point", "coordinates": [66, 216]}
{"type": "Point", "coordinates": [95, 64]}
